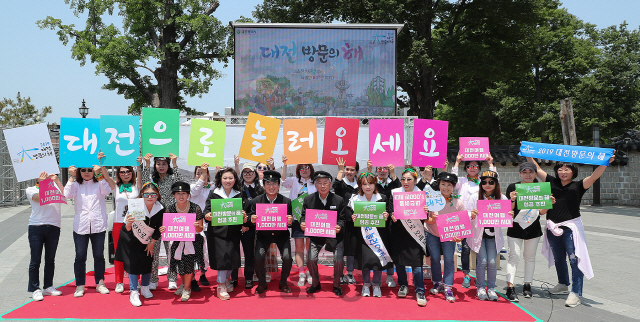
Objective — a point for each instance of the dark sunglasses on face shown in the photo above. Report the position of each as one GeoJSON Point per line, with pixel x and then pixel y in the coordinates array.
{"type": "Point", "coordinates": [125, 172]}
{"type": "Point", "coordinates": [85, 170]}
{"type": "Point", "coordinates": [262, 168]}
{"type": "Point", "coordinates": [489, 182]}
{"type": "Point", "coordinates": [149, 194]}
{"type": "Point", "coordinates": [305, 167]}
{"type": "Point", "coordinates": [472, 167]}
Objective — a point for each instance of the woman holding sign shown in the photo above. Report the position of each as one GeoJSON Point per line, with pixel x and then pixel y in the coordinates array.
{"type": "Point", "coordinates": [137, 247]}
{"type": "Point", "coordinates": [224, 241]}
{"type": "Point", "coordinates": [408, 241]}
{"type": "Point", "coordinates": [345, 186]}
{"type": "Point", "coordinates": [564, 231]}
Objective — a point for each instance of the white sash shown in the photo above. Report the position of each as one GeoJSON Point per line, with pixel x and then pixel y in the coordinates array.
{"type": "Point", "coordinates": [371, 235]}
{"type": "Point", "coordinates": [142, 231]}
{"type": "Point", "coordinates": [526, 217]}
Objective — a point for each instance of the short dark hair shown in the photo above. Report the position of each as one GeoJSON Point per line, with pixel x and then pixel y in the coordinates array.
{"type": "Point", "coordinates": [357, 166]}
{"type": "Point", "coordinates": [79, 175]}
{"type": "Point", "coordinates": [569, 165]}
{"type": "Point", "coordinates": [218, 182]}
{"type": "Point", "coordinates": [133, 174]}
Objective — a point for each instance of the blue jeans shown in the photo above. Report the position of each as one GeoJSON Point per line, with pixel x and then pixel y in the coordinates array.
{"type": "Point", "coordinates": [40, 236]}
{"type": "Point", "coordinates": [97, 248]}
{"type": "Point", "coordinates": [562, 246]}
{"type": "Point", "coordinates": [464, 256]}
{"type": "Point", "coordinates": [486, 262]}
{"type": "Point", "coordinates": [366, 277]}
{"type": "Point", "coordinates": [133, 281]}
{"type": "Point", "coordinates": [448, 251]}
{"type": "Point", "coordinates": [223, 276]}
{"type": "Point", "coordinates": [418, 279]}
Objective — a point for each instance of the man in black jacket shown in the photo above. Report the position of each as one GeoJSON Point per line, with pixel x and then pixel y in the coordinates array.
{"type": "Point", "coordinates": [324, 199]}
{"type": "Point", "coordinates": [264, 238]}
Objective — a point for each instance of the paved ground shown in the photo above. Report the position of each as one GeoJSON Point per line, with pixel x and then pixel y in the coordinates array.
{"type": "Point", "coordinates": [611, 232]}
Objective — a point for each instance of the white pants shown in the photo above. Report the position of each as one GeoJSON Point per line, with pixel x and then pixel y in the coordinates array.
{"type": "Point", "coordinates": [529, 254]}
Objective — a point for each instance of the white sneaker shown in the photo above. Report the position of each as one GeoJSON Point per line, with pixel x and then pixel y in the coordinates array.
{"type": "Point", "coordinates": [229, 286]}
{"type": "Point", "coordinates": [222, 293]}
{"type": "Point", "coordinates": [366, 290]}
{"type": "Point", "coordinates": [377, 292]}
{"type": "Point", "coordinates": [79, 291]}
{"type": "Point", "coordinates": [51, 291]}
{"type": "Point", "coordinates": [101, 288]}
{"type": "Point", "coordinates": [268, 277]}
{"type": "Point", "coordinates": [301, 279]}
{"type": "Point", "coordinates": [481, 294]}
{"type": "Point", "coordinates": [390, 281]}
{"type": "Point", "coordinates": [119, 287]}
{"type": "Point", "coordinates": [153, 286]}
{"type": "Point", "coordinates": [134, 298]}
{"type": "Point", "coordinates": [186, 295]}
{"type": "Point", "coordinates": [309, 279]}
{"type": "Point", "coordinates": [146, 292]}
{"type": "Point", "coordinates": [37, 295]}
{"type": "Point", "coordinates": [493, 296]}
{"type": "Point", "coordinates": [173, 286]}
{"type": "Point", "coordinates": [559, 289]}
{"type": "Point", "coordinates": [573, 300]}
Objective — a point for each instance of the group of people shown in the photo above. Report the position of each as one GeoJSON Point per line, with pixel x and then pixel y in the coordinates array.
{"type": "Point", "coordinates": [401, 243]}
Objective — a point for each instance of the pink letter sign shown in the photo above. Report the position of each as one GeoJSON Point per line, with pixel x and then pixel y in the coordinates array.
{"type": "Point", "coordinates": [320, 223]}
{"type": "Point", "coordinates": [474, 148]}
{"type": "Point", "coordinates": [49, 193]}
{"type": "Point", "coordinates": [179, 227]}
{"type": "Point", "coordinates": [340, 140]}
{"type": "Point", "coordinates": [271, 216]}
{"type": "Point", "coordinates": [409, 205]}
{"type": "Point", "coordinates": [455, 224]}
{"type": "Point", "coordinates": [494, 213]}
{"type": "Point", "coordinates": [429, 143]}
{"type": "Point", "coordinates": [386, 142]}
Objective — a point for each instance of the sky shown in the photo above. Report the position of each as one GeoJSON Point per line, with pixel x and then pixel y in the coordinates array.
{"type": "Point", "coordinates": [35, 63]}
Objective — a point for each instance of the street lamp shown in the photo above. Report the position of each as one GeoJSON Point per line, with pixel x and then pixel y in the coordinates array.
{"type": "Point", "coordinates": [84, 110]}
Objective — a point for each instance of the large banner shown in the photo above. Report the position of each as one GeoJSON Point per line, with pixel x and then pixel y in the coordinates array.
{"type": "Point", "coordinates": [31, 151]}
{"type": "Point", "coordinates": [566, 153]}
{"type": "Point", "coordinates": [315, 72]}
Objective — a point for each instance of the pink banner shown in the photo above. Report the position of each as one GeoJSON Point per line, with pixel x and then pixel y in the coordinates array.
{"type": "Point", "coordinates": [455, 224]}
{"type": "Point", "coordinates": [179, 227]}
{"type": "Point", "coordinates": [320, 223]}
{"type": "Point", "coordinates": [429, 143]}
{"type": "Point", "coordinates": [49, 193]}
{"type": "Point", "coordinates": [409, 205]}
{"type": "Point", "coordinates": [271, 216]}
{"type": "Point", "coordinates": [386, 142]}
{"type": "Point", "coordinates": [494, 213]}
{"type": "Point", "coordinates": [474, 148]}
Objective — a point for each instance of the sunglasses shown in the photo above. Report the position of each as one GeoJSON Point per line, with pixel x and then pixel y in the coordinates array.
{"type": "Point", "coordinates": [85, 170]}
{"type": "Point", "coordinates": [262, 168]}
{"type": "Point", "coordinates": [125, 172]}
{"type": "Point", "coordinates": [305, 167]}
{"type": "Point", "coordinates": [472, 167]}
{"type": "Point", "coordinates": [150, 195]}
{"type": "Point", "coordinates": [489, 182]}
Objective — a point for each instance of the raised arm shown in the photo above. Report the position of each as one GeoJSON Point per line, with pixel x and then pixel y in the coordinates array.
{"type": "Point", "coordinates": [541, 174]}
{"type": "Point", "coordinates": [590, 180]}
{"type": "Point", "coordinates": [284, 167]}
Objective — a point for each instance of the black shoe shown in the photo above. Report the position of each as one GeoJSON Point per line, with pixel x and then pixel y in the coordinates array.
{"type": "Point", "coordinates": [511, 294]}
{"type": "Point", "coordinates": [343, 280]}
{"type": "Point", "coordinates": [285, 288]}
{"type": "Point", "coordinates": [337, 291]}
{"type": "Point", "coordinates": [313, 289]}
{"type": "Point", "coordinates": [194, 286]}
{"type": "Point", "coordinates": [526, 291]}
{"type": "Point", "coordinates": [261, 289]}
{"type": "Point", "coordinates": [203, 280]}
{"type": "Point", "coordinates": [350, 279]}
{"type": "Point", "coordinates": [235, 283]}
{"type": "Point", "coordinates": [248, 285]}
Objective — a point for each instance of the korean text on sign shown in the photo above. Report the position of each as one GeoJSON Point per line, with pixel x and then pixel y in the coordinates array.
{"type": "Point", "coordinates": [226, 212]}
{"type": "Point", "coordinates": [179, 227]}
{"type": "Point", "coordinates": [409, 205]}
{"type": "Point", "coordinates": [271, 216]}
{"type": "Point", "coordinates": [534, 195]}
{"type": "Point", "coordinates": [369, 214]}
{"type": "Point", "coordinates": [320, 223]}
{"type": "Point", "coordinates": [455, 224]}
{"type": "Point", "coordinates": [494, 213]}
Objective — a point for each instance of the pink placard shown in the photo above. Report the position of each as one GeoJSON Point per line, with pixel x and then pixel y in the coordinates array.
{"type": "Point", "coordinates": [429, 143]}
{"type": "Point", "coordinates": [179, 227]}
{"type": "Point", "coordinates": [494, 213]}
{"type": "Point", "coordinates": [49, 193]}
{"type": "Point", "coordinates": [409, 205]}
{"type": "Point", "coordinates": [271, 216]}
{"type": "Point", "coordinates": [320, 223]}
{"type": "Point", "coordinates": [386, 142]}
{"type": "Point", "coordinates": [455, 224]}
{"type": "Point", "coordinates": [474, 148]}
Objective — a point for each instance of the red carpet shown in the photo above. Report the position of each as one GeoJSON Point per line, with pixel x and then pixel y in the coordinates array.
{"type": "Point", "coordinates": [273, 305]}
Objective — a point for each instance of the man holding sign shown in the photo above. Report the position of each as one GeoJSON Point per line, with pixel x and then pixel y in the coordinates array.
{"type": "Point", "coordinates": [328, 201]}
{"type": "Point", "coordinates": [266, 236]}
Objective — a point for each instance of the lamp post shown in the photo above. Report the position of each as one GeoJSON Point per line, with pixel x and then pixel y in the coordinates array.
{"type": "Point", "coordinates": [596, 185]}
{"type": "Point", "coordinates": [84, 110]}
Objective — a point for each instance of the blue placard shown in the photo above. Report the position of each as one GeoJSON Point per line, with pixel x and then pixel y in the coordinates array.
{"type": "Point", "coordinates": [566, 153]}
{"type": "Point", "coordinates": [120, 139]}
{"type": "Point", "coordinates": [79, 142]}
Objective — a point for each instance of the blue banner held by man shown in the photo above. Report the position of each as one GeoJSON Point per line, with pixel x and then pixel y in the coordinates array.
{"type": "Point", "coordinates": [566, 153]}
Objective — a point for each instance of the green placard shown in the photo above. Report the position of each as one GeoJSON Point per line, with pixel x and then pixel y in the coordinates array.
{"type": "Point", "coordinates": [369, 214]}
{"type": "Point", "coordinates": [296, 205]}
{"type": "Point", "coordinates": [160, 131]}
{"type": "Point", "coordinates": [534, 195]}
{"type": "Point", "coordinates": [226, 212]}
{"type": "Point", "coordinates": [206, 142]}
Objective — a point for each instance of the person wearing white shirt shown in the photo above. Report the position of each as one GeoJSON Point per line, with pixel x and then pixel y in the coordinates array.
{"type": "Point", "coordinates": [89, 222]}
{"type": "Point", "coordinates": [199, 194]}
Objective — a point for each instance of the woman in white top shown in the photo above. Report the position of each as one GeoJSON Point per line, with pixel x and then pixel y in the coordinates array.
{"type": "Point", "coordinates": [199, 194]}
{"type": "Point", "coordinates": [299, 185]}
{"type": "Point", "coordinates": [89, 222]}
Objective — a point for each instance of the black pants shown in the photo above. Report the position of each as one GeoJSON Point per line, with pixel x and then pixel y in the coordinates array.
{"type": "Point", "coordinates": [338, 262]}
{"type": "Point", "coordinates": [262, 246]}
{"type": "Point", "coordinates": [248, 243]}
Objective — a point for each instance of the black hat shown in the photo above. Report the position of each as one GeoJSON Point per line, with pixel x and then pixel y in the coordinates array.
{"type": "Point", "coordinates": [270, 175]}
{"type": "Point", "coordinates": [156, 159]}
{"type": "Point", "coordinates": [322, 174]}
{"type": "Point", "coordinates": [489, 174]}
{"type": "Point", "coordinates": [180, 186]}
{"type": "Point", "coordinates": [449, 177]}
{"type": "Point", "coordinates": [528, 165]}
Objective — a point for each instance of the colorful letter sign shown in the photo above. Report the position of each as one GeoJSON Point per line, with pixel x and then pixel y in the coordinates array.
{"type": "Point", "coordinates": [455, 224]}
{"type": "Point", "coordinates": [226, 212]}
{"type": "Point", "coordinates": [534, 195]}
{"type": "Point", "coordinates": [320, 223]}
{"type": "Point", "coordinates": [79, 139]}
{"type": "Point", "coordinates": [474, 148]}
{"type": "Point", "coordinates": [179, 227]}
{"type": "Point", "coordinates": [206, 142]}
{"type": "Point", "coordinates": [160, 132]}
{"type": "Point", "coordinates": [31, 151]}
{"type": "Point", "coordinates": [49, 193]}
{"type": "Point", "coordinates": [300, 141]}
{"type": "Point", "coordinates": [271, 216]}
{"type": "Point", "coordinates": [119, 139]}
{"type": "Point", "coordinates": [429, 143]}
{"type": "Point", "coordinates": [369, 214]}
{"type": "Point", "coordinates": [566, 153]}
{"type": "Point", "coordinates": [259, 139]}
{"type": "Point", "coordinates": [386, 142]}
{"type": "Point", "coordinates": [494, 213]}
{"type": "Point", "coordinates": [409, 205]}
{"type": "Point", "coordinates": [340, 140]}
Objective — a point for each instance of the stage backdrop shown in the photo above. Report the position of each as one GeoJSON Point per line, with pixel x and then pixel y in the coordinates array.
{"type": "Point", "coordinates": [315, 72]}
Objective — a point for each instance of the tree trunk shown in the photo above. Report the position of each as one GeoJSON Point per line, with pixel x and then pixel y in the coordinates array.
{"type": "Point", "coordinates": [538, 101]}
{"type": "Point", "coordinates": [168, 81]}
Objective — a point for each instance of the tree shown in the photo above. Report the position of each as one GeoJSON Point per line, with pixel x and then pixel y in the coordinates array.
{"type": "Point", "coordinates": [21, 112]}
{"type": "Point", "coordinates": [164, 48]}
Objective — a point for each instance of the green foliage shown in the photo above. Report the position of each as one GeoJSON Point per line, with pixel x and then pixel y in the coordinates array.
{"type": "Point", "coordinates": [21, 112]}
